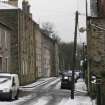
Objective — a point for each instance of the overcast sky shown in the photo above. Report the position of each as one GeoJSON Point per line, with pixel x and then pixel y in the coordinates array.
{"type": "Point", "coordinates": [61, 13]}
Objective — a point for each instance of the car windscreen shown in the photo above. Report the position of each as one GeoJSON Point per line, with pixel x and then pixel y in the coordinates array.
{"type": "Point", "coordinates": [4, 78]}
{"type": "Point", "coordinates": [67, 74]}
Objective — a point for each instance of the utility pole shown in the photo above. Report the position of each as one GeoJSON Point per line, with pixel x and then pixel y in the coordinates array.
{"type": "Point", "coordinates": [74, 54]}
{"type": "Point", "coordinates": [98, 87]}
{"type": "Point", "coordinates": [83, 55]}
{"type": "Point", "coordinates": [86, 10]}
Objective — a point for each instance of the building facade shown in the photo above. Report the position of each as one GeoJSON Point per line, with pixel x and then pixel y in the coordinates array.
{"type": "Point", "coordinates": [29, 54]}
{"type": "Point", "coordinates": [56, 52]}
{"type": "Point", "coordinates": [22, 43]}
{"type": "Point", "coordinates": [96, 50]}
{"type": "Point", "coordinates": [46, 55]}
{"type": "Point", "coordinates": [5, 34]}
{"type": "Point", "coordinates": [50, 56]}
{"type": "Point", "coordinates": [38, 41]}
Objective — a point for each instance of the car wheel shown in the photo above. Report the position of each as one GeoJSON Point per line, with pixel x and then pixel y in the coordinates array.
{"type": "Point", "coordinates": [17, 95]}
{"type": "Point", "coordinates": [61, 87]}
{"type": "Point", "coordinates": [75, 80]}
{"type": "Point", "coordinates": [10, 95]}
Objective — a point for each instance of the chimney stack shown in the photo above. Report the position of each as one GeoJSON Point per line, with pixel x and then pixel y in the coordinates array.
{"type": "Point", "coordinates": [13, 2]}
{"type": "Point", "coordinates": [26, 6]}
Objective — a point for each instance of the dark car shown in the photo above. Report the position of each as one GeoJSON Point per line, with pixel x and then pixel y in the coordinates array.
{"type": "Point", "coordinates": [66, 81]}
{"type": "Point", "coordinates": [76, 75]}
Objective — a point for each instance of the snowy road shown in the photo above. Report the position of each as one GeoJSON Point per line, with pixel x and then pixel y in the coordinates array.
{"type": "Point", "coordinates": [49, 93]}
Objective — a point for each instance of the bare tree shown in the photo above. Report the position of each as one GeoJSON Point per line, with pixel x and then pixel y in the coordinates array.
{"type": "Point", "coordinates": [48, 29]}
{"type": "Point", "coordinates": [65, 55]}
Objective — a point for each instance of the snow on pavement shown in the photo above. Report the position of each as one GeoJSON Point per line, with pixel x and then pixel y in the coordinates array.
{"type": "Point", "coordinates": [78, 100]}
{"type": "Point", "coordinates": [39, 82]}
{"type": "Point", "coordinates": [15, 102]}
{"type": "Point", "coordinates": [81, 86]}
{"type": "Point", "coordinates": [32, 86]}
{"type": "Point", "coordinates": [42, 101]}
{"type": "Point", "coordinates": [63, 102]}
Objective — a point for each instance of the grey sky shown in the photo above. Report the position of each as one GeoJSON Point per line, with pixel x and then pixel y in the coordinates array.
{"type": "Point", "coordinates": [61, 13]}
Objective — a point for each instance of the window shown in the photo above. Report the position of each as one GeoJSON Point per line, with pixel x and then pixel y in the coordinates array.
{"type": "Point", "coordinates": [0, 63]}
{"type": "Point", "coordinates": [2, 40]}
{"type": "Point", "coordinates": [23, 72]}
{"type": "Point", "coordinates": [24, 69]}
{"type": "Point", "coordinates": [5, 39]}
{"type": "Point", "coordinates": [6, 64]}
{"type": "Point", "coordinates": [0, 36]}
{"type": "Point", "coordinates": [26, 72]}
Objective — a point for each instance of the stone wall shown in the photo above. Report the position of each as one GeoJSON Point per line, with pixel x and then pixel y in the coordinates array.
{"type": "Point", "coordinates": [27, 48]}
{"type": "Point", "coordinates": [22, 44]}
{"type": "Point", "coordinates": [9, 18]}
{"type": "Point", "coordinates": [38, 45]}
{"type": "Point", "coordinates": [96, 44]}
{"type": "Point", "coordinates": [96, 54]}
{"type": "Point", "coordinates": [47, 55]}
{"type": "Point", "coordinates": [5, 58]}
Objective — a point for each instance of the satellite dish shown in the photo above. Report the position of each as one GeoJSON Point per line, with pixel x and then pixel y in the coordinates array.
{"type": "Point", "coordinates": [82, 29]}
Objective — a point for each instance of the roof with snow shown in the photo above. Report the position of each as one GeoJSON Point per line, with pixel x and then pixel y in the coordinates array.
{"type": "Point", "coordinates": [7, 6]}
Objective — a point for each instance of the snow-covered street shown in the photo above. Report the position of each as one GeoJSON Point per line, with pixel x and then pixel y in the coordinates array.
{"type": "Point", "coordinates": [47, 92]}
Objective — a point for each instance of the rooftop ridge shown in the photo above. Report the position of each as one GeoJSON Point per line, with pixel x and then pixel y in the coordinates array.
{"type": "Point", "coordinates": [4, 1]}
{"type": "Point", "coordinates": [6, 5]}
{"type": "Point", "coordinates": [10, 2]}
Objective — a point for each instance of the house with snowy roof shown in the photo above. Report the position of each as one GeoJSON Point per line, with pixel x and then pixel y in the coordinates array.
{"type": "Point", "coordinates": [20, 55]}
{"type": "Point", "coordinates": [27, 55]}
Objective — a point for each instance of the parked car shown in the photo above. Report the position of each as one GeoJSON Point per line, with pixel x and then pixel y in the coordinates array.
{"type": "Point", "coordinates": [66, 81]}
{"type": "Point", "coordinates": [76, 75]}
{"type": "Point", "coordinates": [9, 86]}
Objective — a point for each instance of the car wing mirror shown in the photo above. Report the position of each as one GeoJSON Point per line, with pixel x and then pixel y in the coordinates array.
{"type": "Point", "coordinates": [13, 84]}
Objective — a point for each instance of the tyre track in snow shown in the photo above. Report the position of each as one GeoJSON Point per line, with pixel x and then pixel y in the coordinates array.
{"type": "Point", "coordinates": [38, 92]}
{"type": "Point", "coordinates": [28, 90]}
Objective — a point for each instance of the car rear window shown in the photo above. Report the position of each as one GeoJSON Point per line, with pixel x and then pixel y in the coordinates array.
{"type": "Point", "coordinates": [4, 78]}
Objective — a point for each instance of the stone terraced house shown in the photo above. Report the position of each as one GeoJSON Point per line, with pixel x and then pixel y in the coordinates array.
{"type": "Point", "coordinates": [5, 57]}
{"type": "Point", "coordinates": [50, 60]}
{"type": "Point", "coordinates": [24, 54]}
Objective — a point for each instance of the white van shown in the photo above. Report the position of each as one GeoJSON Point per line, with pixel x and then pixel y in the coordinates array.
{"type": "Point", "coordinates": [9, 86]}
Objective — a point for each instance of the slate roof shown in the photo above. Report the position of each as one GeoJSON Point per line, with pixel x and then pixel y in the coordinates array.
{"type": "Point", "coordinates": [7, 6]}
